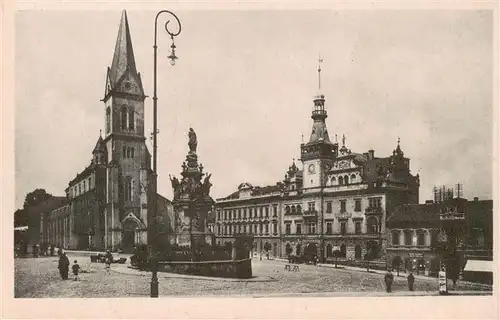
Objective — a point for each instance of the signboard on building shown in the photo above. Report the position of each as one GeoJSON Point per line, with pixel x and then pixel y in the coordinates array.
{"type": "Point", "coordinates": [442, 282]}
{"type": "Point", "coordinates": [416, 254]}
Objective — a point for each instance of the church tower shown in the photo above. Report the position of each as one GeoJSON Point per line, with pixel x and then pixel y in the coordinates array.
{"type": "Point", "coordinates": [318, 153]}
{"type": "Point", "coordinates": [128, 160]}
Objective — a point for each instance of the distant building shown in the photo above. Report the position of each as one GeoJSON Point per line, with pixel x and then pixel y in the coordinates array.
{"type": "Point", "coordinates": [414, 230]}
{"type": "Point", "coordinates": [339, 199]}
{"type": "Point", "coordinates": [108, 202]}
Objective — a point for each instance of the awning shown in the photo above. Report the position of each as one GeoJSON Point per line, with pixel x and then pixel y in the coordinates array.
{"type": "Point", "coordinates": [24, 228]}
{"type": "Point", "coordinates": [479, 266]}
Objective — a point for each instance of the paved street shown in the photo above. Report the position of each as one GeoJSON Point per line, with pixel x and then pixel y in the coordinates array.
{"type": "Point", "coordinates": [40, 278]}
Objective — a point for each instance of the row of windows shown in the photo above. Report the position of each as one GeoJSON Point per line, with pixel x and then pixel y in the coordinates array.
{"type": "Point", "coordinates": [82, 187]}
{"type": "Point", "coordinates": [128, 152]}
{"type": "Point", "coordinates": [241, 213]}
{"type": "Point", "coordinates": [257, 228]}
{"type": "Point", "coordinates": [371, 227]}
{"type": "Point", "coordinates": [127, 118]}
{"type": "Point", "coordinates": [311, 206]}
{"type": "Point", "coordinates": [408, 236]}
{"type": "Point", "coordinates": [343, 180]}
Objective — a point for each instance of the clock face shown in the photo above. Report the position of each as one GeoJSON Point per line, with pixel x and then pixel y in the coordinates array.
{"type": "Point", "coordinates": [311, 168]}
{"type": "Point", "coordinates": [328, 166]}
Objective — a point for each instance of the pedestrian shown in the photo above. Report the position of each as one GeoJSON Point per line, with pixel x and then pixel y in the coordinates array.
{"type": "Point", "coordinates": [108, 260]}
{"type": "Point", "coordinates": [389, 277]}
{"type": "Point", "coordinates": [411, 280]}
{"type": "Point", "coordinates": [63, 266]}
{"type": "Point", "coordinates": [76, 268]}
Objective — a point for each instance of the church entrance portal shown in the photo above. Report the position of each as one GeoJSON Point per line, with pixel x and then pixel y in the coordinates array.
{"type": "Point", "coordinates": [129, 235]}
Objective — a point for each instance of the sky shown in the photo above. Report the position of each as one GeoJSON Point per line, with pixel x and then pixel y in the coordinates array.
{"type": "Point", "coordinates": [245, 81]}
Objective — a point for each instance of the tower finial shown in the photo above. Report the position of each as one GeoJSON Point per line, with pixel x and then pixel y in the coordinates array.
{"type": "Point", "coordinates": [320, 60]}
{"type": "Point", "coordinates": [100, 132]}
{"type": "Point", "coordinates": [343, 140]}
{"type": "Point", "coordinates": [399, 140]}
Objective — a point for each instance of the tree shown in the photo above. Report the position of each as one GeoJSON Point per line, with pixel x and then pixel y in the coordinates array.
{"type": "Point", "coordinates": [20, 218]}
{"type": "Point", "coordinates": [36, 197]}
{"type": "Point", "coordinates": [372, 252]}
{"type": "Point", "coordinates": [336, 254]}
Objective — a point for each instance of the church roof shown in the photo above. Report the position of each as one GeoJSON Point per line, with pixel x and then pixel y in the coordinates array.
{"type": "Point", "coordinates": [100, 145]}
{"type": "Point", "coordinates": [123, 58]}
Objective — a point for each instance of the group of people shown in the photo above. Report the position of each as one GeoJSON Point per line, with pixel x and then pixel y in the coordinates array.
{"type": "Point", "coordinates": [389, 279]}
{"type": "Point", "coordinates": [63, 267]}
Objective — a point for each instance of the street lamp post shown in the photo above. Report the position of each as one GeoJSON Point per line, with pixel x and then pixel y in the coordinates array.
{"type": "Point", "coordinates": [152, 234]}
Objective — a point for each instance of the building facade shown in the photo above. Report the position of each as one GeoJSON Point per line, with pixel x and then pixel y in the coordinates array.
{"type": "Point", "coordinates": [338, 200]}
{"type": "Point", "coordinates": [109, 201]}
{"type": "Point", "coordinates": [415, 230]}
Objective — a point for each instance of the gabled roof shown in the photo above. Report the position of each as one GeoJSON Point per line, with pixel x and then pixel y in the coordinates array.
{"type": "Point", "coordinates": [99, 146]}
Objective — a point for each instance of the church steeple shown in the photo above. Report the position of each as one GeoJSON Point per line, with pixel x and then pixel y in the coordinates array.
{"type": "Point", "coordinates": [123, 57]}
{"type": "Point", "coordinates": [122, 75]}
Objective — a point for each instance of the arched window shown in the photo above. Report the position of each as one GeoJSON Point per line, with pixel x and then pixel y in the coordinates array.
{"type": "Point", "coordinates": [342, 250]}
{"type": "Point", "coordinates": [395, 237]}
{"type": "Point", "coordinates": [329, 250]}
{"type": "Point", "coordinates": [353, 178]}
{"type": "Point", "coordinates": [131, 120]}
{"type": "Point", "coordinates": [297, 250]}
{"type": "Point", "coordinates": [299, 209]}
{"type": "Point", "coordinates": [371, 225]}
{"type": "Point", "coordinates": [341, 180]}
{"type": "Point", "coordinates": [124, 118]}
{"type": "Point", "coordinates": [294, 210]}
{"type": "Point", "coordinates": [346, 179]}
{"type": "Point", "coordinates": [127, 189]}
{"type": "Point", "coordinates": [334, 180]}
{"type": "Point", "coordinates": [108, 120]}
{"type": "Point", "coordinates": [287, 209]}
{"type": "Point", "coordinates": [357, 252]}
{"type": "Point", "coordinates": [408, 237]}
{"type": "Point", "coordinates": [420, 237]}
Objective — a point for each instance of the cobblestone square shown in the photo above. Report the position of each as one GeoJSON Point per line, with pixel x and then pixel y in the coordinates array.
{"type": "Point", "coordinates": [39, 277]}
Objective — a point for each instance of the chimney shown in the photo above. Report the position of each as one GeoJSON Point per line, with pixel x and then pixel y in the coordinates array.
{"type": "Point", "coordinates": [371, 152]}
{"type": "Point", "coordinates": [476, 199]}
{"type": "Point", "coordinates": [429, 202]}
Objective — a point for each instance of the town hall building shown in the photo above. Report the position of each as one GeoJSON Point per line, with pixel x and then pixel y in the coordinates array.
{"type": "Point", "coordinates": [336, 200]}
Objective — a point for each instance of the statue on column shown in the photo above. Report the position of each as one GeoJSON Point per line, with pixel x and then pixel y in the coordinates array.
{"type": "Point", "coordinates": [175, 185]}
{"type": "Point", "coordinates": [193, 142]}
{"type": "Point", "coordinates": [207, 185]}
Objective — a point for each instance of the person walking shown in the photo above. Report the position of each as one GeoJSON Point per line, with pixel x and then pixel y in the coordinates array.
{"type": "Point", "coordinates": [411, 280]}
{"type": "Point", "coordinates": [76, 269]}
{"type": "Point", "coordinates": [63, 266]}
{"type": "Point", "coordinates": [388, 278]}
{"type": "Point", "coordinates": [108, 260]}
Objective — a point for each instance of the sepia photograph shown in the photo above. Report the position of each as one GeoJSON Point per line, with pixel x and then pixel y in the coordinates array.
{"type": "Point", "coordinates": [253, 153]}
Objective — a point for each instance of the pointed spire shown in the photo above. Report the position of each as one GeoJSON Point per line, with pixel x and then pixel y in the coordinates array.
{"type": "Point", "coordinates": [320, 60]}
{"type": "Point", "coordinates": [123, 57]}
{"type": "Point", "coordinates": [343, 140]}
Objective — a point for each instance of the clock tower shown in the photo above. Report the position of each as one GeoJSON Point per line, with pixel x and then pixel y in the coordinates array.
{"type": "Point", "coordinates": [128, 167]}
{"type": "Point", "coordinates": [317, 154]}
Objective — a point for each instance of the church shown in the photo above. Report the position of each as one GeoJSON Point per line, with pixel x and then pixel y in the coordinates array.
{"type": "Point", "coordinates": [108, 202]}
{"type": "Point", "coordinates": [336, 201]}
